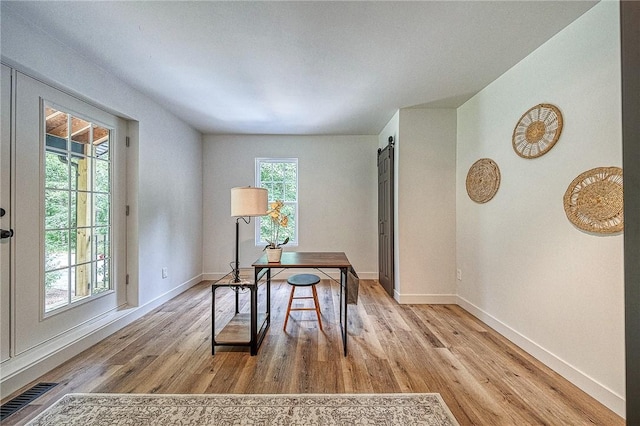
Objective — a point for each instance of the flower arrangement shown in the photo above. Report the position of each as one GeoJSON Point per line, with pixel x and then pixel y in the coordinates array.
{"type": "Point", "coordinates": [278, 220]}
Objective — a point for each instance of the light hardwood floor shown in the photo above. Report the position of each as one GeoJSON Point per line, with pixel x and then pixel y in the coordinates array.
{"type": "Point", "coordinates": [483, 378]}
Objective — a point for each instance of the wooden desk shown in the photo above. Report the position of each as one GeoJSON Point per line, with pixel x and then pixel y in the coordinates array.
{"type": "Point", "coordinates": [316, 260]}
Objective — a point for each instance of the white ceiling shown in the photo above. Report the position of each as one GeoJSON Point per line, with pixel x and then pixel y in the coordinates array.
{"type": "Point", "coordinates": [311, 67]}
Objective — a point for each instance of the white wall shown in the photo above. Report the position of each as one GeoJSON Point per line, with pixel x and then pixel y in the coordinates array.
{"type": "Point", "coordinates": [337, 189]}
{"type": "Point", "coordinates": [425, 204]}
{"type": "Point", "coordinates": [527, 271]}
{"type": "Point", "coordinates": [166, 182]}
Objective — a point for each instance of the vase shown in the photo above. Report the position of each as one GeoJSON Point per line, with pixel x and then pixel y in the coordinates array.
{"type": "Point", "coordinates": [274, 254]}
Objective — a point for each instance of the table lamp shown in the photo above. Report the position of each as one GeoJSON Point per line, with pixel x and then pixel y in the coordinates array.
{"type": "Point", "coordinates": [245, 203]}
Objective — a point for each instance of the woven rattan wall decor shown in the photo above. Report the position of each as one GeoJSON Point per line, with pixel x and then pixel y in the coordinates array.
{"type": "Point", "coordinates": [594, 201]}
{"type": "Point", "coordinates": [483, 180]}
{"type": "Point", "coordinates": [537, 131]}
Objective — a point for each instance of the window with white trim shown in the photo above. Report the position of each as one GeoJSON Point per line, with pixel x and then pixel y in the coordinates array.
{"type": "Point", "coordinates": [279, 176]}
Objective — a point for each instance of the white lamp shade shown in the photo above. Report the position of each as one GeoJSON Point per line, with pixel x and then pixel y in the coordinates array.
{"type": "Point", "coordinates": [248, 201]}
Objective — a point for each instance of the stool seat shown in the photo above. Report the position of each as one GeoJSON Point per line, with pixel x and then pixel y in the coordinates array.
{"type": "Point", "coordinates": [303, 280]}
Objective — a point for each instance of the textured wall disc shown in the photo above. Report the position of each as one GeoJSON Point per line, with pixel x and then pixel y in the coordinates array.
{"type": "Point", "coordinates": [537, 131]}
{"type": "Point", "coordinates": [594, 201]}
{"type": "Point", "coordinates": [483, 180]}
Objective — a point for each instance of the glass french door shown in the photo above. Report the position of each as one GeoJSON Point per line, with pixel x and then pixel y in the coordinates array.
{"type": "Point", "coordinates": [70, 230]}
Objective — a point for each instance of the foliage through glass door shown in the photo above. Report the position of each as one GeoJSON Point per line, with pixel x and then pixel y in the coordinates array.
{"type": "Point", "coordinates": [77, 200]}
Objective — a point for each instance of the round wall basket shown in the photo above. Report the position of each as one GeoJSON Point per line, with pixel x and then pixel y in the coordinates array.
{"type": "Point", "coordinates": [537, 131]}
{"type": "Point", "coordinates": [483, 180]}
{"type": "Point", "coordinates": [594, 201]}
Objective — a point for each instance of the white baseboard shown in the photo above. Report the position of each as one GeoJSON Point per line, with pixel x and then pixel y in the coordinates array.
{"type": "Point", "coordinates": [606, 396]}
{"type": "Point", "coordinates": [26, 367]}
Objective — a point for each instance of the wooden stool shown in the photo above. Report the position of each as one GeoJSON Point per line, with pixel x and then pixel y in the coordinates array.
{"type": "Point", "coordinates": [303, 280]}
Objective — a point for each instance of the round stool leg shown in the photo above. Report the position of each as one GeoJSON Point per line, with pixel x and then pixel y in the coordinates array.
{"type": "Point", "coordinates": [286, 318]}
{"type": "Point", "coordinates": [315, 300]}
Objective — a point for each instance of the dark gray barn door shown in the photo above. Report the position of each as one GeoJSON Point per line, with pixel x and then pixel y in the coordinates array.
{"type": "Point", "coordinates": [385, 217]}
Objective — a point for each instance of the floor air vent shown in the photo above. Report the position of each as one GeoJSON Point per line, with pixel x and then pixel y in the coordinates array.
{"type": "Point", "coordinates": [25, 398]}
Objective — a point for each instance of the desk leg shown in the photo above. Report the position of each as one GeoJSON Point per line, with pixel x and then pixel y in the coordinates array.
{"type": "Point", "coordinates": [344, 287]}
{"type": "Point", "coordinates": [254, 320]}
{"type": "Point", "coordinates": [213, 320]}
{"type": "Point", "coordinates": [268, 297]}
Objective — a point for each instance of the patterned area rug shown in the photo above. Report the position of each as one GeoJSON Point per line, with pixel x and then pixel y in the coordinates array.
{"type": "Point", "coordinates": [227, 409]}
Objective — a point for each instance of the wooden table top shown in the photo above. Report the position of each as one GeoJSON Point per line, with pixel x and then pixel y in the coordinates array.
{"type": "Point", "coordinates": [293, 259]}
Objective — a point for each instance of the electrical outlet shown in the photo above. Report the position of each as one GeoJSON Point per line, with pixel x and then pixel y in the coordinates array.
{"type": "Point", "coordinates": [165, 272]}
{"type": "Point", "coordinates": [459, 274]}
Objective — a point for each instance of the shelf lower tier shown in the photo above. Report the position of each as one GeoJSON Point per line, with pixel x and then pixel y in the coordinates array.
{"type": "Point", "coordinates": [238, 329]}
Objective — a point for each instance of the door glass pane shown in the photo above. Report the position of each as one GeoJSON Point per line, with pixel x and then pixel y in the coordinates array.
{"type": "Point", "coordinates": [57, 125]}
{"type": "Point", "coordinates": [77, 200]}
{"type": "Point", "coordinates": [82, 173]}
{"type": "Point", "coordinates": [81, 210]}
{"type": "Point", "coordinates": [73, 212]}
{"type": "Point", "coordinates": [101, 242]}
{"type": "Point", "coordinates": [56, 289]}
{"type": "Point", "coordinates": [102, 176]}
{"type": "Point", "coordinates": [101, 206]}
{"type": "Point", "coordinates": [57, 176]}
{"type": "Point", "coordinates": [80, 136]}
{"type": "Point", "coordinates": [80, 281]}
{"type": "Point", "coordinates": [102, 279]}
{"type": "Point", "coordinates": [56, 249]}
{"type": "Point", "coordinates": [56, 205]}
{"type": "Point", "coordinates": [100, 142]}
{"type": "Point", "coordinates": [80, 246]}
